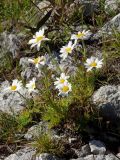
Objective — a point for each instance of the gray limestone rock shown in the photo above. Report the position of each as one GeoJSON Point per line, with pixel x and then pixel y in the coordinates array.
{"type": "Point", "coordinates": [89, 157]}
{"type": "Point", "coordinates": [41, 129]}
{"type": "Point", "coordinates": [118, 155]}
{"type": "Point", "coordinates": [43, 7]}
{"type": "Point", "coordinates": [30, 154]}
{"type": "Point", "coordinates": [12, 102]}
{"type": "Point", "coordinates": [10, 44]}
{"type": "Point", "coordinates": [47, 156]}
{"type": "Point", "coordinates": [36, 131]}
{"type": "Point", "coordinates": [84, 151]}
{"type": "Point", "coordinates": [28, 70]}
{"type": "Point", "coordinates": [23, 154]}
{"type": "Point", "coordinates": [89, 7]}
{"type": "Point", "coordinates": [97, 147]}
{"type": "Point", "coordinates": [109, 27]}
{"type": "Point", "coordinates": [112, 6]}
{"type": "Point", "coordinates": [107, 98]}
{"type": "Point", "coordinates": [68, 66]}
{"type": "Point", "coordinates": [99, 157]}
{"type": "Point", "coordinates": [92, 157]}
{"type": "Point", "coordinates": [111, 157]}
{"type": "Point", "coordinates": [113, 24]}
{"type": "Point", "coordinates": [77, 159]}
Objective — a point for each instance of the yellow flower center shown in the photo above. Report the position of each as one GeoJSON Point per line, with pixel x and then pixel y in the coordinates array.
{"type": "Point", "coordinates": [93, 64]}
{"type": "Point", "coordinates": [62, 80]}
{"type": "Point", "coordinates": [65, 89]}
{"type": "Point", "coordinates": [40, 38]}
{"type": "Point", "coordinates": [79, 35]}
{"type": "Point", "coordinates": [37, 60]}
{"type": "Point", "coordinates": [33, 86]}
{"type": "Point", "coordinates": [13, 88]}
{"type": "Point", "coordinates": [68, 50]}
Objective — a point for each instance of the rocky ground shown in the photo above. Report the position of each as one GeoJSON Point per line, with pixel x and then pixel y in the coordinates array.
{"type": "Point", "coordinates": [103, 143]}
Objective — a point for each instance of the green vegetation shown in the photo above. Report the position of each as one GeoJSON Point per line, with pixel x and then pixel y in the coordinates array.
{"type": "Point", "coordinates": [45, 144]}
{"type": "Point", "coordinates": [75, 110]}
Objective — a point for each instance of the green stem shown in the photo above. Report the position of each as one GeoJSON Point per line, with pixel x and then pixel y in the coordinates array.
{"type": "Point", "coordinates": [26, 100]}
{"type": "Point", "coordinates": [84, 49]}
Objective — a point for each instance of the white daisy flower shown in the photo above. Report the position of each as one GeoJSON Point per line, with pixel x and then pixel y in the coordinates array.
{"type": "Point", "coordinates": [16, 86]}
{"type": "Point", "coordinates": [81, 35]}
{"type": "Point", "coordinates": [39, 60]}
{"type": "Point", "coordinates": [65, 50]}
{"type": "Point", "coordinates": [31, 85]}
{"type": "Point", "coordinates": [65, 89]}
{"type": "Point", "coordinates": [37, 39]}
{"type": "Point", "coordinates": [93, 62]}
{"type": "Point", "coordinates": [60, 81]}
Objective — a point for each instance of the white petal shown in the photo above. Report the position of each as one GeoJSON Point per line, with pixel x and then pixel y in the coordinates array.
{"type": "Point", "coordinates": [37, 65]}
{"type": "Point", "coordinates": [62, 50]}
{"type": "Point", "coordinates": [56, 82]}
{"type": "Point", "coordinates": [84, 32]}
{"type": "Point", "coordinates": [42, 30]}
{"type": "Point", "coordinates": [70, 44]}
{"type": "Point", "coordinates": [89, 61]}
{"type": "Point", "coordinates": [96, 60]}
{"type": "Point", "coordinates": [38, 33]}
{"type": "Point", "coordinates": [58, 79]}
{"type": "Point", "coordinates": [32, 41]}
{"type": "Point", "coordinates": [31, 60]}
{"type": "Point", "coordinates": [34, 79]}
{"type": "Point", "coordinates": [6, 89]}
{"type": "Point", "coordinates": [74, 44]}
{"type": "Point", "coordinates": [62, 75]}
{"type": "Point", "coordinates": [15, 81]}
{"type": "Point", "coordinates": [46, 39]}
{"type": "Point", "coordinates": [99, 66]}
{"type": "Point", "coordinates": [42, 63]}
{"type": "Point", "coordinates": [64, 56]}
{"type": "Point", "coordinates": [38, 46]}
{"type": "Point", "coordinates": [34, 44]}
{"type": "Point", "coordinates": [74, 36]}
{"type": "Point", "coordinates": [89, 69]}
{"type": "Point", "coordinates": [92, 58]}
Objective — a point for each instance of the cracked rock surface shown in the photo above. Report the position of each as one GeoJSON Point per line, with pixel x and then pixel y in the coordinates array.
{"type": "Point", "coordinates": [107, 99]}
